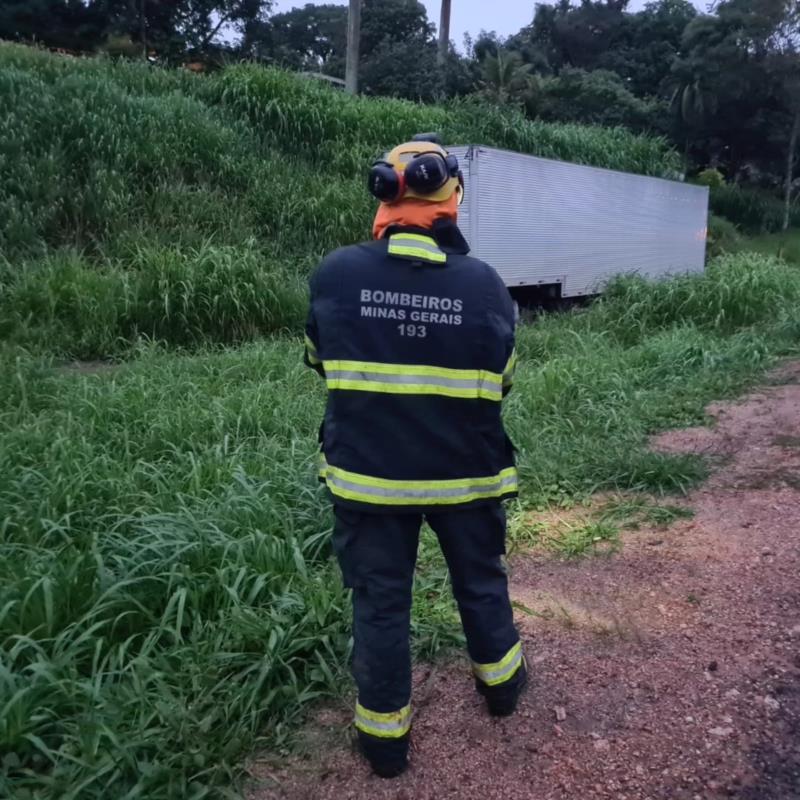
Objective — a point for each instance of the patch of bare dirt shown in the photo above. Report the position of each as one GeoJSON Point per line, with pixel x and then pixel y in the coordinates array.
{"type": "Point", "coordinates": [668, 671]}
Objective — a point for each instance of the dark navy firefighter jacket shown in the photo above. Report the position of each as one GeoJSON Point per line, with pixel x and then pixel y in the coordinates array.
{"type": "Point", "coordinates": [415, 340]}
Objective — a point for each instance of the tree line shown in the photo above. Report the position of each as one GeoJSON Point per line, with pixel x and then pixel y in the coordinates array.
{"type": "Point", "coordinates": [723, 85]}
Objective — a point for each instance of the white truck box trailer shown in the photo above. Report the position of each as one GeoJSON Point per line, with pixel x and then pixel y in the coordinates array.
{"type": "Point", "coordinates": [545, 223]}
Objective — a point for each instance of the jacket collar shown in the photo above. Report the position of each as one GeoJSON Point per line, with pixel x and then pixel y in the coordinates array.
{"type": "Point", "coordinates": [445, 233]}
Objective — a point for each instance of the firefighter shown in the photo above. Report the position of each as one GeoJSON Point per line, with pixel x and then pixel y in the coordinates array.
{"type": "Point", "coordinates": [415, 340]}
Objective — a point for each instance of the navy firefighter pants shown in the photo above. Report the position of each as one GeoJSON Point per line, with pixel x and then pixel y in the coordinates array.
{"type": "Point", "coordinates": [377, 554]}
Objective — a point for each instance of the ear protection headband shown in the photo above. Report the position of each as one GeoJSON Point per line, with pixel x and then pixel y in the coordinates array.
{"type": "Point", "coordinates": [424, 175]}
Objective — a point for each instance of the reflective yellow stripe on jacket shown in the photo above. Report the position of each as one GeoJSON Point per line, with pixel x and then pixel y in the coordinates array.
{"type": "Point", "coordinates": [387, 726]}
{"type": "Point", "coordinates": [381, 491]}
{"type": "Point", "coordinates": [366, 376]}
{"type": "Point", "coordinates": [311, 352]}
{"type": "Point", "coordinates": [511, 368]}
{"type": "Point", "coordinates": [502, 670]}
{"type": "Point", "coordinates": [416, 246]}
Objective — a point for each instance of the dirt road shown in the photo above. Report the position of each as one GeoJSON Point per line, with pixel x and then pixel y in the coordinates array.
{"type": "Point", "coordinates": [670, 670]}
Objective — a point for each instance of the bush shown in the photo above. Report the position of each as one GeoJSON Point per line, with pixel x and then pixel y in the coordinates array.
{"type": "Point", "coordinates": [723, 236]}
{"type": "Point", "coordinates": [710, 177]}
{"type": "Point", "coordinates": [181, 296]}
{"type": "Point", "coordinates": [735, 291]}
{"type": "Point", "coordinates": [752, 210]}
{"type": "Point", "coordinates": [121, 47]}
{"type": "Point", "coordinates": [598, 97]}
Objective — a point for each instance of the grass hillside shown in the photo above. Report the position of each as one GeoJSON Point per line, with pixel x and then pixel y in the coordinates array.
{"type": "Point", "coordinates": [147, 202]}
{"type": "Point", "coordinates": [167, 592]}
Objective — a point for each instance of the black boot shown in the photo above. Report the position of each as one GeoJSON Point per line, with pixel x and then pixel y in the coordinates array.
{"type": "Point", "coordinates": [502, 700]}
{"type": "Point", "coordinates": [387, 757]}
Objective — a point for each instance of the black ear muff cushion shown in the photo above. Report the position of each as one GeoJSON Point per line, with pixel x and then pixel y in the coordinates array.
{"type": "Point", "coordinates": [426, 173]}
{"type": "Point", "coordinates": [452, 166]}
{"type": "Point", "coordinates": [384, 182]}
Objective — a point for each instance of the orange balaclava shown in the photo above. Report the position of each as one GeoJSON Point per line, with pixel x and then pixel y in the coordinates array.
{"type": "Point", "coordinates": [413, 213]}
{"type": "Point", "coordinates": [412, 209]}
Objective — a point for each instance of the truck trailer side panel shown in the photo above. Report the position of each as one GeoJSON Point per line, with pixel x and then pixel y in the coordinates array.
{"type": "Point", "coordinates": [539, 221]}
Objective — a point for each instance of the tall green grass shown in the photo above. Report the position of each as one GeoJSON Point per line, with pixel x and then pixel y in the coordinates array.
{"type": "Point", "coordinates": [67, 305]}
{"type": "Point", "coordinates": [167, 591]}
{"type": "Point", "coordinates": [781, 245]}
{"type": "Point", "coordinates": [344, 133]}
{"type": "Point", "coordinates": [133, 184]}
{"type": "Point", "coordinates": [91, 164]}
{"type": "Point", "coordinates": [754, 211]}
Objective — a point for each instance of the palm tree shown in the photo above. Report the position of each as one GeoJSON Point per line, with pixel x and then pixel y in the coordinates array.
{"type": "Point", "coordinates": [692, 105]}
{"type": "Point", "coordinates": [353, 46]}
{"type": "Point", "coordinates": [506, 77]}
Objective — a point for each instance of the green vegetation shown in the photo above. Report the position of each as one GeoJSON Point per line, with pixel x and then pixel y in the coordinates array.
{"type": "Point", "coordinates": [166, 588]}
{"type": "Point", "coordinates": [140, 202]}
{"type": "Point", "coordinates": [751, 210]}
{"type": "Point", "coordinates": [566, 539]}
{"type": "Point", "coordinates": [781, 245]}
{"type": "Point", "coordinates": [634, 512]}
{"type": "Point", "coordinates": [720, 81]}
{"type": "Point", "coordinates": [723, 236]}
{"type": "Point", "coordinates": [710, 177]}
{"type": "Point", "coordinates": [167, 593]}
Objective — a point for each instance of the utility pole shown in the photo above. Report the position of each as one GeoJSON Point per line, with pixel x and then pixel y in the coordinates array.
{"type": "Point", "coordinates": [353, 42]}
{"type": "Point", "coordinates": [143, 27]}
{"type": "Point", "coordinates": [793, 139]}
{"type": "Point", "coordinates": [444, 31]}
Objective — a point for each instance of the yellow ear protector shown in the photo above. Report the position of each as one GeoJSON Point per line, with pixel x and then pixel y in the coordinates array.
{"type": "Point", "coordinates": [421, 168]}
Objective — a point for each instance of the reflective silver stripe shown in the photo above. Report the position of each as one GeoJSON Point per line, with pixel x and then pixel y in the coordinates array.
{"type": "Point", "coordinates": [498, 675]}
{"type": "Point", "coordinates": [391, 725]}
{"type": "Point", "coordinates": [388, 727]}
{"type": "Point", "coordinates": [501, 671]}
{"type": "Point", "coordinates": [510, 482]}
{"type": "Point", "coordinates": [428, 380]}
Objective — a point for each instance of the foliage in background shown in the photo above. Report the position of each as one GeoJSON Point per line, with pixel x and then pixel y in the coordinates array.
{"type": "Point", "coordinates": [741, 65]}
{"type": "Point", "coordinates": [599, 97]}
{"type": "Point", "coordinates": [723, 236]}
{"type": "Point", "coordinates": [171, 28]}
{"type": "Point", "coordinates": [785, 246]}
{"type": "Point", "coordinates": [752, 210]}
{"type": "Point", "coordinates": [507, 78]}
{"type": "Point", "coordinates": [710, 177]}
{"type": "Point", "coordinates": [729, 72]}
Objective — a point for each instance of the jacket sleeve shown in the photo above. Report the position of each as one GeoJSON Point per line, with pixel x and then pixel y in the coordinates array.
{"type": "Point", "coordinates": [311, 356]}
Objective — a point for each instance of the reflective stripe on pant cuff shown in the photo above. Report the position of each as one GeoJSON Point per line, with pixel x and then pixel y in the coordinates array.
{"type": "Point", "coordinates": [502, 670]}
{"type": "Point", "coordinates": [391, 725]}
